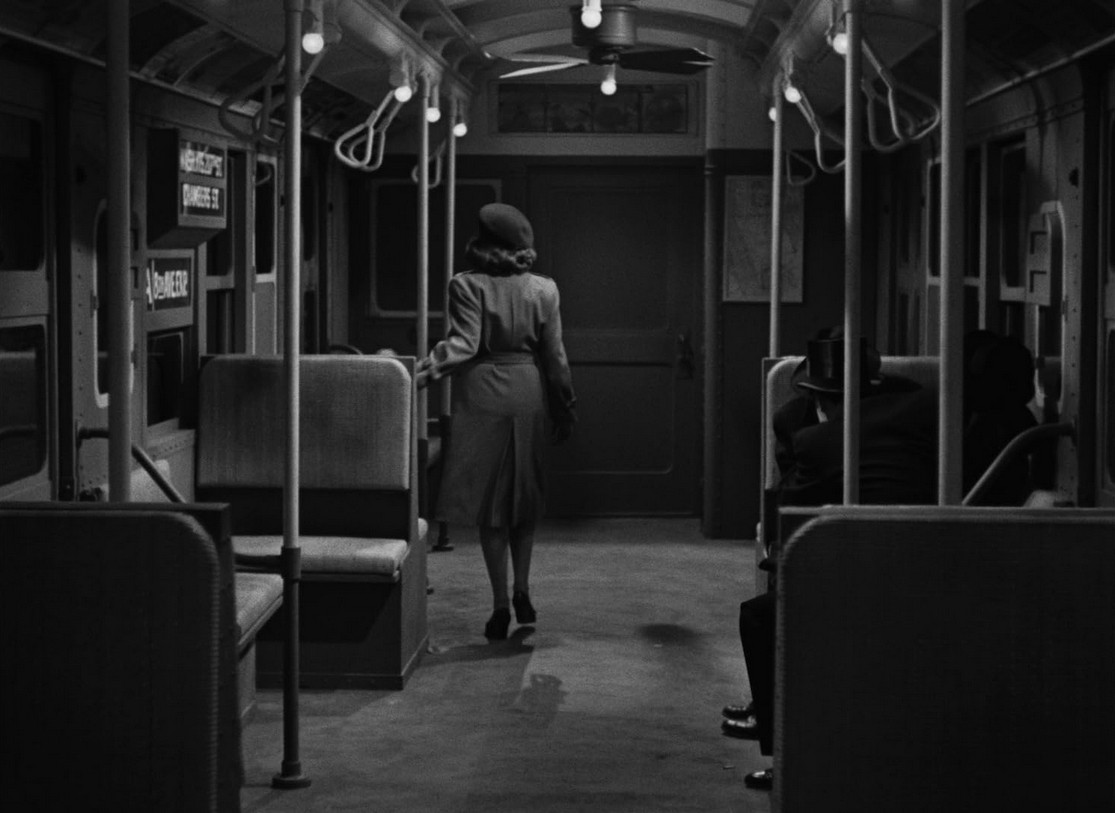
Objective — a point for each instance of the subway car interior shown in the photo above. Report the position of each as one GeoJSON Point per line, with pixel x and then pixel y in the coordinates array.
{"type": "Point", "coordinates": [228, 235]}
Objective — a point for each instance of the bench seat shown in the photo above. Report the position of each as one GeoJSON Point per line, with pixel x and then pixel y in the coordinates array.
{"type": "Point", "coordinates": [362, 559]}
{"type": "Point", "coordinates": [258, 597]}
{"type": "Point", "coordinates": [374, 559]}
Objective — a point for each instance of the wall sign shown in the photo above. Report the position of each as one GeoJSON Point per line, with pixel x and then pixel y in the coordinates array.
{"type": "Point", "coordinates": [186, 189]}
{"type": "Point", "coordinates": [747, 225]}
{"type": "Point", "coordinates": [170, 283]}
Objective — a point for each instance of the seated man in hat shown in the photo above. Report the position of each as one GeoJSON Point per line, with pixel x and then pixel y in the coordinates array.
{"type": "Point", "coordinates": [898, 465]}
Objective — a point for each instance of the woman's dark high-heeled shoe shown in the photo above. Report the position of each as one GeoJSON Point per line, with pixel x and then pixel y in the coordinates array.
{"type": "Point", "coordinates": [496, 628]}
{"type": "Point", "coordinates": [524, 610]}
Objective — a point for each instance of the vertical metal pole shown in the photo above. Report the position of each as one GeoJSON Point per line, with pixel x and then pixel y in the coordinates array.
{"type": "Point", "coordinates": [710, 510]}
{"type": "Point", "coordinates": [290, 775]}
{"type": "Point", "coordinates": [119, 293]}
{"type": "Point", "coordinates": [853, 196]}
{"type": "Point", "coordinates": [423, 307]}
{"type": "Point", "coordinates": [777, 177]}
{"type": "Point", "coordinates": [444, 424]}
{"type": "Point", "coordinates": [950, 411]}
{"type": "Point", "coordinates": [450, 237]}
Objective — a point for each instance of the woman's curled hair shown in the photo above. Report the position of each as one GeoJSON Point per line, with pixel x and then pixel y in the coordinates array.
{"type": "Point", "coordinates": [496, 259]}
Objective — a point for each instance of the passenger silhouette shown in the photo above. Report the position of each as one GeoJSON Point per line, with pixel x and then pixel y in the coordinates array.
{"type": "Point", "coordinates": [897, 465]}
{"type": "Point", "coordinates": [504, 350]}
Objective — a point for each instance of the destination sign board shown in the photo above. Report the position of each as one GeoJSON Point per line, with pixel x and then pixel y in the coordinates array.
{"type": "Point", "coordinates": [187, 189]}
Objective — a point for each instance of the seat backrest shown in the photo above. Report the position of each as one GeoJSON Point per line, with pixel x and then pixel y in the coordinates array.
{"type": "Point", "coordinates": [357, 449]}
{"type": "Point", "coordinates": [952, 658]}
{"type": "Point", "coordinates": [109, 688]}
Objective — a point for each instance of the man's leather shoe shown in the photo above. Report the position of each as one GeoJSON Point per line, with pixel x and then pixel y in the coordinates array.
{"type": "Point", "coordinates": [739, 712]}
{"type": "Point", "coordinates": [746, 729]}
{"type": "Point", "coordinates": [760, 780]}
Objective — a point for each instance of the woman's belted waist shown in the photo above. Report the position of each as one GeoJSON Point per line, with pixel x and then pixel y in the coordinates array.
{"type": "Point", "coordinates": [507, 358]}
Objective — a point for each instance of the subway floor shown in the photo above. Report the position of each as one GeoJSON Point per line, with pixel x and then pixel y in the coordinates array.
{"type": "Point", "coordinates": [610, 702]}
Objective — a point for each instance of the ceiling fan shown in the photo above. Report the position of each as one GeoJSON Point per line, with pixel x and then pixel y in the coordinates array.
{"type": "Point", "coordinates": [609, 43]}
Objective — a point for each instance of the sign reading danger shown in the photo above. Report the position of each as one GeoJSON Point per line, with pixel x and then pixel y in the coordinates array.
{"type": "Point", "coordinates": [169, 283]}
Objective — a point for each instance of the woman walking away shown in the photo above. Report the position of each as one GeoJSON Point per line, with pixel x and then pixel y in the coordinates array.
{"type": "Point", "coordinates": [509, 369]}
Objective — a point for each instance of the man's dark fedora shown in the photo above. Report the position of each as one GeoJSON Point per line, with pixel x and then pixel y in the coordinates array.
{"type": "Point", "coordinates": [824, 366]}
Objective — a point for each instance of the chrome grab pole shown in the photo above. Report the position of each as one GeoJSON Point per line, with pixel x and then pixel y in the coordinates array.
{"type": "Point", "coordinates": [450, 238]}
{"type": "Point", "coordinates": [444, 427]}
{"type": "Point", "coordinates": [777, 178]}
{"type": "Point", "coordinates": [711, 440]}
{"type": "Point", "coordinates": [423, 306]}
{"type": "Point", "coordinates": [853, 254]}
{"type": "Point", "coordinates": [119, 293]}
{"type": "Point", "coordinates": [290, 775]}
{"type": "Point", "coordinates": [951, 258]}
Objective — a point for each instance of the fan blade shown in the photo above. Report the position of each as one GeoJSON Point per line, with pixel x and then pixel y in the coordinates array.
{"type": "Point", "coordinates": [671, 60]}
{"type": "Point", "coordinates": [540, 69]}
{"type": "Point", "coordinates": [542, 58]}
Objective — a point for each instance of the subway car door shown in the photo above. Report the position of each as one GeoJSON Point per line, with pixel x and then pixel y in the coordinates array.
{"type": "Point", "coordinates": [27, 348]}
{"type": "Point", "coordinates": [625, 247]}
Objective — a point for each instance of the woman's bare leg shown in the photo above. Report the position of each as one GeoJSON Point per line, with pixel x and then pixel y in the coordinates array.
{"type": "Point", "coordinates": [493, 542]}
{"type": "Point", "coordinates": [522, 545]}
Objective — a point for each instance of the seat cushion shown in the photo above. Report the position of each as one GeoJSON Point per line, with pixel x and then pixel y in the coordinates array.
{"type": "Point", "coordinates": [258, 596]}
{"type": "Point", "coordinates": [350, 555]}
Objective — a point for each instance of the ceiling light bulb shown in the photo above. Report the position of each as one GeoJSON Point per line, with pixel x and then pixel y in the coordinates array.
{"type": "Point", "coordinates": [403, 93]}
{"type": "Point", "coordinates": [313, 42]}
{"type": "Point", "coordinates": [840, 43]}
{"type": "Point", "coordinates": [772, 114]}
{"type": "Point", "coordinates": [460, 129]}
{"type": "Point", "coordinates": [608, 86]}
{"type": "Point", "coordinates": [433, 114]}
{"type": "Point", "coordinates": [313, 37]}
{"type": "Point", "coordinates": [792, 94]}
{"type": "Point", "coordinates": [591, 14]}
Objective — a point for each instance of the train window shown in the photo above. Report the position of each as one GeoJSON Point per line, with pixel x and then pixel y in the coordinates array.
{"type": "Point", "coordinates": [1012, 319]}
{"type": "Point", "coordinates": [101, 303]}
{"type": "Point", "coordinates": [166, 375]}
{"type": "Point", "coordinates": [395, 251]}
{"type": "Point", "coordinates": [224, 258]}
{"type": "Point", "coordinates": [23, 430]}
{"type": "Point", "coordinates": [902, 343]}
{"type": "Point", "coordinates": [971, 308]}
{"type": "Point", "coordinates": [226, 246]}
{"type": "Point", "coordinates": [309, 217]}
{"type": "Point", "coordinates": [219, 320]}
{"type": "Point", "coordinates": [265, 217]}
{"type": "Point", "coordinates": [973, 195]}
{"type": "Point", "coordinates": [1109, 422]}
{"type": "Point", "coordinates": [933, 201]}
{"type": "Point", "coordinates": [21, 194]}
{"type": "Point", "coordinates": [1012, 217]}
